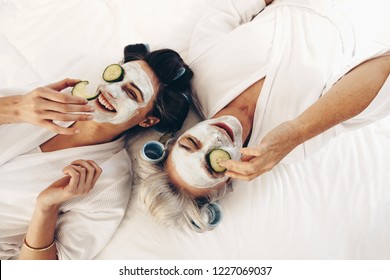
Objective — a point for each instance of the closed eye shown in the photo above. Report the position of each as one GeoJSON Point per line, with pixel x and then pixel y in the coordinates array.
{"type": "Point", "coordinates": [189, 143]}
{"type": "Point", "coordinates": [132, 93]}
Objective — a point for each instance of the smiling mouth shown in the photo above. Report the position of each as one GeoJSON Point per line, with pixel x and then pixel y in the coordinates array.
{"type": "Point", "coordinates": [226, 129]}
{"type": "Point", "coordinates": [104, 104]}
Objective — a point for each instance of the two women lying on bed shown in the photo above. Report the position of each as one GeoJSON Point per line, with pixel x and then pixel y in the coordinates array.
{"type": "Point", "coordinates": [274, 88]}
{"type": "Point", "coordinates": [75, 217]}
{"type": "Point", "coordinates": [246, 116]}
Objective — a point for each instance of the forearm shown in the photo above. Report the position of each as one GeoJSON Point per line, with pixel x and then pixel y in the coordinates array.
{"type": "Point", "coordinates": [40, 234]}
{"type": "Point", "coordinates": [8, 109]}
{"type": "Point", "coordinates": [346, 99]}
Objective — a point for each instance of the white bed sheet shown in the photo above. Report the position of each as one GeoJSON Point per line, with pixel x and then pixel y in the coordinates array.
{"type": "Point", "coordinates": [336, 205]}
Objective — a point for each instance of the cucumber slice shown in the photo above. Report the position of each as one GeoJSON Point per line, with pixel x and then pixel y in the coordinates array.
{"type": "Point", "coordinates": [80, 90]}
{"type": "Point", "coordinates": [113, 73]}
{"type": "Point", "coordinates": [215, 157]}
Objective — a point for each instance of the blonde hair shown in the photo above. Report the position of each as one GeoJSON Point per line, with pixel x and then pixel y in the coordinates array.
{"type": "Point", "coordinates": [172, 206]}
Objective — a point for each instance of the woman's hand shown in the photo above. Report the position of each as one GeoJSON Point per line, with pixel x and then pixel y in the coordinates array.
{"type": "Point", "coordinates": [39, 243]}
{"type": "Point", "coordinates": [263, 157]}
{"type": "Point", "coordinates": [46, 104]}
{"type": "Point", "coordinates": [80, 178]}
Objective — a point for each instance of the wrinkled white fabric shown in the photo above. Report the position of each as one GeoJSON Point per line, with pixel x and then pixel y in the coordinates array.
{"type": "Point", "coordinates": [332, 206]}
{"type": "Point", "coordinates": [85, 224]}
{"type": "Point", "coordinates": [335, 204]}
{"type": "Point", "coordinates": [301, 47]}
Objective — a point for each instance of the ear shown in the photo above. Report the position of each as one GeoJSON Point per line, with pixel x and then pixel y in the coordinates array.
{"type": "Point", "coordinates": [149, 121]}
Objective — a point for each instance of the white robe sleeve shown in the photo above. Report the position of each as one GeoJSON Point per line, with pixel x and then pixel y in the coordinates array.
{"type": "Point", "coordinates": [220, 19]}
{"type": "Point", "coordinates": [87, 224]}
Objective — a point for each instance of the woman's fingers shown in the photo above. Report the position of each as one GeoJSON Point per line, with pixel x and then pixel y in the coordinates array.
{"type": "Point", "coordinates": [80, 178]}
{"type": "Point", "coordinates": [44, 105]}
{"type": "Point", "coordinates": [246, 158]}
{"type": "Point", "coordinates": [239, 176]}
{"type": "Point", "coordinates": [74, 179]}
{"type": "Point", "coordinates": [81, 188]}
{"type": "Point", "coordinates": [51, 115]}
{"type": "Point", "coordinates": [93, 172]}
{"type": "Point", "coordinates": [98, 171]}
{"type": "Point", "coordinates": [255, 151]}
{"type": "Point", "coordinates": [90, 173]}
{"type": "Point", "coordinates": [76, 184]}
{"type": "Point", "coordinates": [254, 162]}
{"type": "Point", "coordinates": [55, 101]}
{"type": "Point", "coordinates": [58, 86]}
{"type": "Point", "coordinates": [248, 170]}
{"type": "Point", "coordinates": [240, 167]}
{"type": "Point", "coordinates": [56, 96]}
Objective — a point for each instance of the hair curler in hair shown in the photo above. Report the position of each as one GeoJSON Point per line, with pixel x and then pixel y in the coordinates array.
{"type": "Point", "coordinates": [180, 73]}
{"type": "Point", "coordinates": [211, 214]}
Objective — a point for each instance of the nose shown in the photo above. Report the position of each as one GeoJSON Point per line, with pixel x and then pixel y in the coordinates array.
{"type": "Point", "coordinates": [112, 92]}
{"type": "Point", "coordinates": [215, 138]}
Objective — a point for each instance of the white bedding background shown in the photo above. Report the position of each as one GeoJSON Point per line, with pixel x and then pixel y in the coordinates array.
{"type": "Point", "coordinates": [336, 205]}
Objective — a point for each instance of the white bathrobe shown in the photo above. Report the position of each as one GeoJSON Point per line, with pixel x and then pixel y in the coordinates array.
{"type": "Point", "coordinates": [302, 47]}
{"type": "Point", "coordinates": [85, 224]}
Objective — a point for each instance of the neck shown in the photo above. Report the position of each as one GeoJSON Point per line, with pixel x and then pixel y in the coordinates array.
{"type": "Point", "coordinates": [91, 133]}
{"type": "Point", "coordinates": [244, 116]}
{"type": "Point", "coordinates": [96, 133]}
{"type": "Point", "coordinates": [243, 108]}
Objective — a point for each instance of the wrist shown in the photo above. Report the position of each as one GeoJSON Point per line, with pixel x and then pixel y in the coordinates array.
{"type": "Point", "coordinates": [46, 208]}
{"type": "Point", "coordinates": [9, 109]}
{"type": "Point", "coordinates": [297, 131]}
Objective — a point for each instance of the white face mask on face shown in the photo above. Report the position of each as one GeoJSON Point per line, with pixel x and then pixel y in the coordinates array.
{"type": "Point", "coordinates": [193, 167]}
{"type": "Point", "coordinates": [114, 104]}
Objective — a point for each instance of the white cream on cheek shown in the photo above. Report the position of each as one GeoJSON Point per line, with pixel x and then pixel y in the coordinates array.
{"type": "Point", "coordinates": [191, 165]}
{"type": "Point", "coordinates": [126, 107]}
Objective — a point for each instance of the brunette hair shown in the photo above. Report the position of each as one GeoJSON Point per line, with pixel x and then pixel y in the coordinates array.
{"type": "Point", "coordinates": [174, 96]}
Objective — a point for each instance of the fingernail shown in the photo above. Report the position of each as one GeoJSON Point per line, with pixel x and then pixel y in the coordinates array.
{"type": "Point", "coordinates": [77, 131]}
{"type": "Point", "coordinates": [90, 117]}
{"type": "Point", "coordinates": [91, 109]}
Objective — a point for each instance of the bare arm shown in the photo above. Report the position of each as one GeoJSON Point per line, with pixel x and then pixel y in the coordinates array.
{"type": "Point", "coordinates": [346, 99]}
{"type": "Point", "coordinates": [80, 178]}
{"type": "Point", "coordinates": [43, 105]}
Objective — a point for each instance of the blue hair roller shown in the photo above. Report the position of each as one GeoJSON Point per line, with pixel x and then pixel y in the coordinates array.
{"type": "Point", "coordinates": [180, 73]}
{"type": "Point", "coordinates": [147, 47]}
{"type": "Point", "coordinates": [213, 213]}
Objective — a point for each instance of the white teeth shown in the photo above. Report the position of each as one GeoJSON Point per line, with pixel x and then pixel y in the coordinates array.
{"type": "Point", "coordinates": [105, 103]}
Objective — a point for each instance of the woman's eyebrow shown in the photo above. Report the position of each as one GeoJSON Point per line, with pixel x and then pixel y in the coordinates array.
{"type": "Point", "coordinates": [137, 88]}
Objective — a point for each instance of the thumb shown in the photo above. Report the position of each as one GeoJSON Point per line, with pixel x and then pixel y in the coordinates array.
{"type": "Point", "coordinates": [58, 86]}
{"type": "Point", "coordinates": [246, 158]}
{"type": "Point", "coordinates": [61, 183]}
{"type": "Point", "coordinates": [254, 151]}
